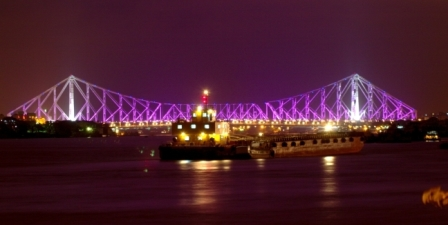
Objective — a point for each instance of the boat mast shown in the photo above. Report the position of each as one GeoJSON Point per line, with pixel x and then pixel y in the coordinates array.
{"type": "Point", "coordinates": [205, 98]}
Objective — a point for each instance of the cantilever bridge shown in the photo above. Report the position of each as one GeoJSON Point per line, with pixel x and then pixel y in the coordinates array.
{"type": "Point", "coordinates": [350, 99]}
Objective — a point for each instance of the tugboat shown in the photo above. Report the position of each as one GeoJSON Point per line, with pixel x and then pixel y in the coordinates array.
{"type": "Point", "coordinates": [204, 138]}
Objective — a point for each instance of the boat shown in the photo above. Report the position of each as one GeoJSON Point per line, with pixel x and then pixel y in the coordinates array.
{"type": "Point", "coordinates": [269, 147]}
{"type": "Point", "coordinates": [308, 145]}
{"type": "Point", "coordinates": [432, 136]}
{"type": "Point", "coordinates": [202, 137]}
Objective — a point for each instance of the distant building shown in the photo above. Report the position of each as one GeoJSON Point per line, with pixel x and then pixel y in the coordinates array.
{"type": "Point", "coordinates": [9, 122]}
{"type": "Point", "coordinates": [31, 116]}
{"type": "Point", "coordinates": [20, 115]}
{"type": "Point", "coordinates": [439, 115]}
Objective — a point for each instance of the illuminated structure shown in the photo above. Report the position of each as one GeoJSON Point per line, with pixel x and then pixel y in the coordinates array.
{"type": "Point", "coordinates": [201, 127]}
{"type": "Point", "coordinates": [350, 99]}
{"type": "Point", "coordinates": [330, 103]}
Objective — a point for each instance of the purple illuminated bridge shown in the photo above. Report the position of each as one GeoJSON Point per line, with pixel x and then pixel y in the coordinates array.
{"type": "Point", "coordinates": [350, 99]}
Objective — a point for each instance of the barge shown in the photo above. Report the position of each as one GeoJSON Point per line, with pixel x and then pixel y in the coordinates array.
{"type": "Point", "coordinates": [324, 144]}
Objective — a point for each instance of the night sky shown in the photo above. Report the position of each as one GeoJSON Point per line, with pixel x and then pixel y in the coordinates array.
{"type": "Point", "coordinates": [242, 51]}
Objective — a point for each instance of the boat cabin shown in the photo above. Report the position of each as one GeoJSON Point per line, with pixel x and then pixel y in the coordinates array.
{"type": "Point", "coordinates": [202, 129]}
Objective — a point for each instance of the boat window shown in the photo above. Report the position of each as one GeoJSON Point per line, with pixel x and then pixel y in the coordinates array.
{"type": "Point", "coordinates": [207, 126]}
{"type": "Point", "coordinates": [343, 140]}
{"type": "Point", "coordinates": [204, 114]}
{"type": "Point", "coordinates": [293, 144]}
{"type": "Point", "coordinates": [193, 126]}
{"type": "Point", "coordinates": [284, 144]}
{"type": "Point", "coordinates": [179, 126]}
{"type": "Point", "coordinates": [350, 139]}
{"type": "Point", "coordinates": [314, 141]}
{"type": "Point", "coordinates": [302, 143]}
{"type": "Point", "coordinates": [335, 140]}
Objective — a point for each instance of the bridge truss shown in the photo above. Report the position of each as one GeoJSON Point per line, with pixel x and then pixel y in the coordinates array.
{"type": "Point", "coordinates": [76, 99]}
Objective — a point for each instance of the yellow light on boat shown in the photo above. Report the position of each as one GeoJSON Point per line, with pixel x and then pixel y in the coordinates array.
{"type": "Point", "coordinates": [328, 127]}
{"type": "Point", "coordinates": [199, 109]}
{"type": "Point", "coordinates": [206, 92]}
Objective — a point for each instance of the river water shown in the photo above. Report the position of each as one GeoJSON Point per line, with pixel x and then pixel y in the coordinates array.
{"type": "Point", "coordinates": [122, 181]}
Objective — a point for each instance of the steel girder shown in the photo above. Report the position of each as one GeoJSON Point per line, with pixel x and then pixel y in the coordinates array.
{"type": "Point", "coordinates": [242, 111]}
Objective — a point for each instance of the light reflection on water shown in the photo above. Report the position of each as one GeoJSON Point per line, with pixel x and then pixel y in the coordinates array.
{"type": "Point", "coordinates": [205, 188]}
{"type": "Point", "coordinates": [329, 182]}
{"type": "Point", "coordinates": [113, 183]}
{"type": "Point", "coordinates": [260, 163]}
{"type": "Point", "coordinates": [204, 165]}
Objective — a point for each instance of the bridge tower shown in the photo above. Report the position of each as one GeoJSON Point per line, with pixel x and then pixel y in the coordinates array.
{"type": "Point", "coordinates": [338, 101]}
{"type": "Point", "coordinates": [71, 99]}
{"type": "Point", "coordinates": [354, 115]}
